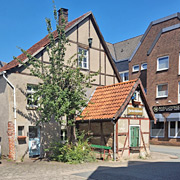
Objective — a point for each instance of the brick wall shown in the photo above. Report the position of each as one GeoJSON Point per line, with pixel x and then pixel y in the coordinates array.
{"type": "Point", "coordinates": [167, 45]}
{"type": "Point", "coordinates": [11, 135]}
{"type": "Point", "coordinates": [141, 55]}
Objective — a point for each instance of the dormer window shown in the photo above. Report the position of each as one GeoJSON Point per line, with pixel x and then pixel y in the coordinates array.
{"type": "Point", "coordinates": [143, 66]}
{"type": "Point", "coordinates": [135, 68]}
{"type": "Point", "coordinates": [83, 58]}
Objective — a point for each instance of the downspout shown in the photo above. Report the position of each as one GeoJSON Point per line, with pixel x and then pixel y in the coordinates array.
{"type": "Point", "coordinates": [14, 94]}
{"type": "Point", "coordinates": [114, 150]}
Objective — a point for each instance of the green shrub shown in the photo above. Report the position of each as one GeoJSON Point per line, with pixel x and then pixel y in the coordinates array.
{"type": "Point", "coordinates": [70, 153]}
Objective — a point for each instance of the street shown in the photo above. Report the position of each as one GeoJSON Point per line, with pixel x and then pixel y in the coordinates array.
{"type": "Point", "coordinates": [160, 167]}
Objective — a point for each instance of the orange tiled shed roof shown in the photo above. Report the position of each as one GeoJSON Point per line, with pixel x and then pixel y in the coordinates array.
{"type": "Point", "coordinates": [107, 100]}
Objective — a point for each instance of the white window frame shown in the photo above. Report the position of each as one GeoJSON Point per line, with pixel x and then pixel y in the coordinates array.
{"type": "Point", "coordinates": [157, 91]}
{"type": "Point", "coordinates": [162, 69]}
{"type": "Point", "coordinates": [179, 65]}
{"type": "Point", "coordinates": [32, 91]}
{"type": "Point", "coordinates": [123, 72]}
{"type": "Point", "coordinates": [139, 133]}
{"type": "Point", "coordinates": [152, 121]}
{"type": "Point", "coordinates": [80, 56]}
{"type": "Point", "coordinates": [176, 130]}
{"type": "Point", "coordinates": [178, 92]}
{"type": "Point", "coordinates": [133, 70]}
{"type": "Point", "coordinates": [142, 68]}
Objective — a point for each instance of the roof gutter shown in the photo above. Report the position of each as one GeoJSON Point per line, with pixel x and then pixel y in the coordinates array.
{"type": "Point", "coordinates": [14, 108]}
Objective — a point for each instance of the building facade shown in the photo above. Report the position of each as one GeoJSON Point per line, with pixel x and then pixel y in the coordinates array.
{"type": "Point", "coordinates": [20, 137]}
{"type": "Point", "coordinates": [156, 62]}
{"type": "Point", "coordinates": [118, 116]}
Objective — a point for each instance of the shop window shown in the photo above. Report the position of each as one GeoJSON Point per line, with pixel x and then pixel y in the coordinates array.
{"type": "Point", "coordinates": [174, 129]}
{"type": "Point", "coordinates": [135, 68]}
{"type": "Point", "coordinates": [144, 66]}
{"type": "Point", "coordinates": [162, 90]}
{"type": "Point", "coordinates": [20, 130]}
{"type": "Point", "coordinates": [163, 63]}
{"type": "Point", "coordinates": [83, 58]}
{"type": "Point", "coordinates": [31, 101]}
{"type": "Point", "coordinates": [157, 130]}
{"type": "Point", "coordinates": [124, 76]}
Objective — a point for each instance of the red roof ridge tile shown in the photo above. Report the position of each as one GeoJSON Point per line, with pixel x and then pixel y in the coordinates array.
{"type": "Point", "coordinates": [113, 85]}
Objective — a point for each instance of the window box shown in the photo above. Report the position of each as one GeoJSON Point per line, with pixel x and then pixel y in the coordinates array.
{"type": "Point", "coordinates": [21, 137]}
{"type": "Point", "coordinates": [162, 91]}
{"type": "Point", "coordinates": [163, 63]}
{"type": "Point", "coordinates": [135, 68]}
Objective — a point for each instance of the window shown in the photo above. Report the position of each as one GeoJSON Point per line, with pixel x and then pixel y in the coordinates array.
{"type": "Point", "coordinates": [179, 92]}
{"type": "Point", "coordinates": [31, 102]}
{"type": "Point", "coordinates": [63, 135]}
{"type": "Point", "coordinates": [83, 58]}
{"type": "Point", "coordinates": [135, 68]}
{"type": "Point", "coordinates": [162, 63]}
{"type": "Point", "coordinates": [20, 130]}
{"type": "Point", "coordinates": [124, 76]}
{"type": "Point", "coordinates": [157, 130]}
{"type": "Point", "coordinates": [162, 90]}
{"type": "Point", "coordinates": [143, 66]}
{"type": "Point", "coordinates": [174, 129]}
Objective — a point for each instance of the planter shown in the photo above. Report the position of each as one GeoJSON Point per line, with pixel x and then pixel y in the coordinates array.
{"type": "Point", "coordinates": [21, 137]}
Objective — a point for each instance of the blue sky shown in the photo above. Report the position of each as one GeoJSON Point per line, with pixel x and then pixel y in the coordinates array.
{"type": "Point", "coordinates": [23, 21]}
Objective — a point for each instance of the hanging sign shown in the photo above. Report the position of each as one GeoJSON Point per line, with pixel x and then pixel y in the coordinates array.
{"type": "Point", "coordinates": [135, 111]}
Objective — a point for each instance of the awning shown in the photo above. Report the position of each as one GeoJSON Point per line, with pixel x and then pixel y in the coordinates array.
{"type": "Point", "coordinates": [174, 117]}
{"type": "Point", "coordinates": [159, 117]}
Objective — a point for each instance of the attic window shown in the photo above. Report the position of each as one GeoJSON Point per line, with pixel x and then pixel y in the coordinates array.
{"type": "Point", "coordinates": [83, 58]}
{"type": "Point", "coordinates": [135, 68]}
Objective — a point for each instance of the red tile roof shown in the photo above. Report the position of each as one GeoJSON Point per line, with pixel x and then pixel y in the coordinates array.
{"type": "Point", "coordinates": [42, 43]}
{"type": "Point", "coordinates": [107, 100]}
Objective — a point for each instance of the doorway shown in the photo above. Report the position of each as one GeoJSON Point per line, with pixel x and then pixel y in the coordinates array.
{"type": "Point", "coordinates": [34, 141]}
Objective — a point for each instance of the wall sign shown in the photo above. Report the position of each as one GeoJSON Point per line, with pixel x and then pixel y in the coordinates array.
{"type": "Point", "coordinates": [168, 108]}
{"type": "Point", "coordinates": [135, 111]}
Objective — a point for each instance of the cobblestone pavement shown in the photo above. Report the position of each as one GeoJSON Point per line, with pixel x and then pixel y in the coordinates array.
{"type": "Point", "coordinates": [43, 170]}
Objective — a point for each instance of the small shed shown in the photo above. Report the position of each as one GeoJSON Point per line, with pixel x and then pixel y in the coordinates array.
{"type": "Point", "coordinates": [118, 116]}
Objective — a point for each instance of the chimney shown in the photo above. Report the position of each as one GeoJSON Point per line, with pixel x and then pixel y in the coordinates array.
{"type": "Point", "coordinates": [63, 13]}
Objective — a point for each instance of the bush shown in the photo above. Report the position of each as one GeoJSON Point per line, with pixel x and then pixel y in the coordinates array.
{"type": "Point", "coordinates": [70, 153]}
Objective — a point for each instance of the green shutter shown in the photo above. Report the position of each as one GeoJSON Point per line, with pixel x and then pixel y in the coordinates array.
{"type": "Point", "coordinates": [134, 136]}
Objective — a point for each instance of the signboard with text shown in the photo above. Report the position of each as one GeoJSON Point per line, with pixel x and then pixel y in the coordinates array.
{"type": "Point", "coordinates": [168, 108]}
{"type": "Point", "coordinates": [135, 111]}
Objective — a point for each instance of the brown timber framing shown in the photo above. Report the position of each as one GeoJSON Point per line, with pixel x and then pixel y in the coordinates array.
{"type": "Point", "coordinates": [99, 63]}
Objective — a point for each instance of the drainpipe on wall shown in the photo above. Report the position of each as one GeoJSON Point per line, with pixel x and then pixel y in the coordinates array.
{"type": "Point", "coordinates": [14, 94]}
{"type": "Point", "coordinates": [114, 150]}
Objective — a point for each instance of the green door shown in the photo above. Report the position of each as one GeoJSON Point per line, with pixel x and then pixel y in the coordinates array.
{"type": "Point", "coordinates": [134, 130]}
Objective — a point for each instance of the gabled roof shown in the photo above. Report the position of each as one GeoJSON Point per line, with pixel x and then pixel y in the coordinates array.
{"type": "Point", "coordinates": [39, 46]}
{"type": "Point", "coordinates": [123, 49]}
{"type": "Point", "coordinates": [176, 15]}
{"type": "Point", "coordinates": [109, 102]}
{"type": "Point", "coordinates": [164, 30]}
